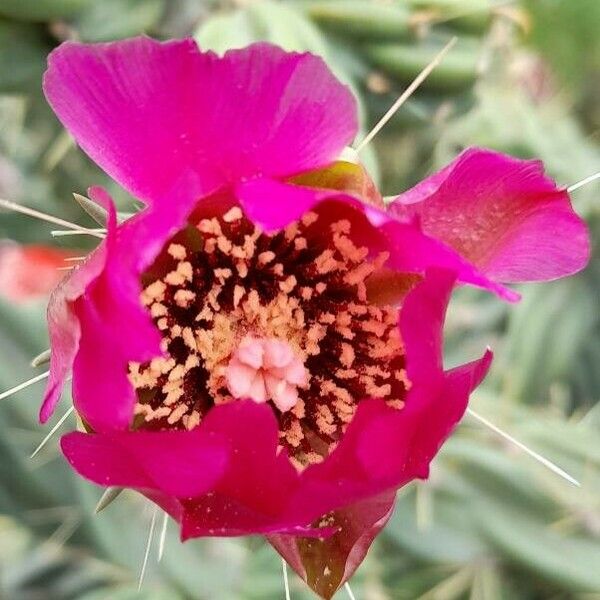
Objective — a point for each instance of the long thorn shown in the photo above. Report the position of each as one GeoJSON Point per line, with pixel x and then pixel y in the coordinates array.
{"type": "Point", "coordinates": [349, 591]}
{"type": "Point", "coordinates": [24, 385]}
{"type": "Point", "coordinates": [163, 536]}
{"type": "Point", "coordinates": [408, 92]}
{"type": "Point", "coordinates": [44, 217]}
{"type": "Point", "coordinates": [544, 461]}
{"type": "Point", "coordinates": [53, 431]}
{"type": "Point", "coordinates": [286, 583]}
{"type": "Point", "coordinates": [583, 182]}
{"type": "Point", "coordinates": [148, 545]}
{"type": "Point", "coordinates": [101, 233]}
{"type": "Point", "coordinates": [41, 359]}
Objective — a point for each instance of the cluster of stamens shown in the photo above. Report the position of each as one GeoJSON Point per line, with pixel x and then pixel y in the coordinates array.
{"type": "Point", "coordinates": [282, 318]}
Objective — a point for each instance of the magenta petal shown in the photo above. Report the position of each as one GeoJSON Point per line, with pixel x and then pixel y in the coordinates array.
{"type": "Point", "coordinates": [97, 324]}
{"type": "Point", "coordinates": [254, 491]}
{"type": "Point", "coordinates": [257, 490]}
{"type": "Point", "coordinates": [384, 448]}
{"type": "Point", "coordinates": [63, 325]}
{"type": "Point", "coordinates": [152, 114]}
{"type": "Point", "coordinates": [326, 564]}
{"type": "Point", "coordinates": [408, 441]}
{"type": "Point", "coordinates": [425, 425]}
{"type": "Point", "coordinates": [502, 214]}
{"type": "Point", "coordinates": [216, 514]}
{"type": "Point", "coordinates": [261, 491]}
{"type": "Point", "coordinates": [178, 463]}
{"type": "Point", "coordinates": [272, 205]}
{"type": "Point", "coordinates": [115, 327]}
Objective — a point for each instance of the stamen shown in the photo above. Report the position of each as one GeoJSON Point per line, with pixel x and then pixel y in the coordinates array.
{"type": "Point", "coordinates": [234, 214]}
{"type": "Point", "coordinates": [266, 257]}
{"type": "Point", "coordinates": [177, 251]}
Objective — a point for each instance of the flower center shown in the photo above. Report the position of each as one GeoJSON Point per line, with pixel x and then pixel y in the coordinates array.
{"type": "Point", "coordinates": [280, 318]}
{"type": "Point", "coordinates": [266, 369]}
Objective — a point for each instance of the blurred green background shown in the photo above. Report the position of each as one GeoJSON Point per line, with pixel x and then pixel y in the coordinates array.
{"type": "Point", "coordinates": [491, 523]}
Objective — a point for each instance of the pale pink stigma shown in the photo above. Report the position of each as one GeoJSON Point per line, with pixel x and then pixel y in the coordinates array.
{"type": "Point", "coordinates": [266, 369]}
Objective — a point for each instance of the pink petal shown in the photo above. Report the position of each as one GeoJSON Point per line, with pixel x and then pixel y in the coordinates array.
{"type": "Point", "coordinates": [384, 448]}
{"type": "Point", "coordinates": [169, 504]}
{"type": "Point", "coordinates": [217, 514]}
{"type": "Point", "coordinates": [259, 491]}
{"type": "Point", "coordinates": [437, 399]}
{"type": "Point", "coordinates": [502, 214]}
{"type": "Point", "coordinates": [272, 205]}
{"type": "Point", "coordinates": [326, 564]}
{"type": "Point", "coordinates": [155, 114]}
{"type": "Point", "coordinates": [97, 323]}
{"type": "Point", "coordinates": [253, 494]}
{"type": "Point", "coordinates": [115, 327]}
{"type": "Point", "coordinates": [225, 477]}
{"type": "Point", "coordinates": [178, 463]}
{"type": "Point", "coordinates": [63, 325]}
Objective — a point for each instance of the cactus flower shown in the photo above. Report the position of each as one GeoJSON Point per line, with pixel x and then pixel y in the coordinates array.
{"type": "Point", "coordinates": [259, 350]}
